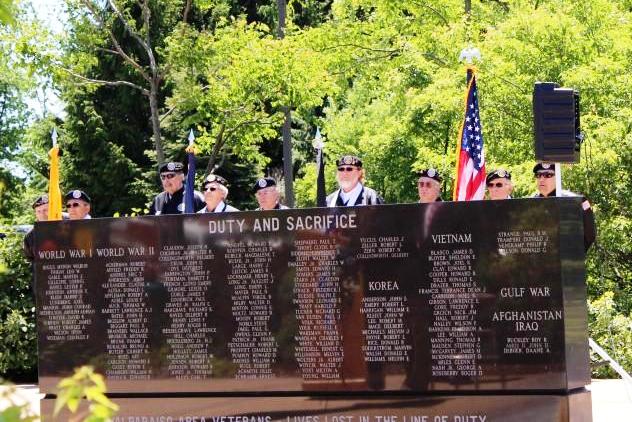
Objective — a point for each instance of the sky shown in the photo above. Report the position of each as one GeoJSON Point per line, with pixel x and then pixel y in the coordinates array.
{"type": "Point", "coordinates": [52, 14]}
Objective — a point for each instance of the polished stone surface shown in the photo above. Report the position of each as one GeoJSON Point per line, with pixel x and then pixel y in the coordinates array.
{"type": "Point", "coordinates": [479, 296]}
{"type": "Point", "coordinates": [574, 407]}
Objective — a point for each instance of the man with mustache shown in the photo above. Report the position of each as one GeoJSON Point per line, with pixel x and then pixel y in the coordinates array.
{"type": "Point", "coordinates": [352, 192]}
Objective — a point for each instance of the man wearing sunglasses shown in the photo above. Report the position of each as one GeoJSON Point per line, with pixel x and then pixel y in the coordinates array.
{"type": "Point", "coordinates": [215, 189]}
{"type": "Point", "coordinates": [499, 185]}
{"type": "Point", "coordinates": [267, 195]}
{"type": "Point", "coordinates": [78, 205]}
{"type": "Point", "coordinates": [545, 179]}
{"type": "Point", "coordinates": [352, 192]}
{"type": "Point", "coordinates": [429, 186]}
{"type": "Point", "coordinates": [171, 199]}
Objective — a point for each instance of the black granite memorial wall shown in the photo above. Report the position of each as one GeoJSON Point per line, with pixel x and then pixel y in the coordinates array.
{"type": "Point", "coordinates": [472, 297]}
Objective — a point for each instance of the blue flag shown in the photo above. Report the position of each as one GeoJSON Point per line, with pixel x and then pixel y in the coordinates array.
{"type": "Point", "coordinates": [189, 186]}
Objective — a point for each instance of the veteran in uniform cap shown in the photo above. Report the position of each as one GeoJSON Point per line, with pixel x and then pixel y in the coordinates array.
{"type": "Point", "coordinates": [40, 207]}
{"type": "Point", "coordinates": [352, 192]}
{"type": "Point", "coordinates": [78, 205]}
{"type": "Point", "coordinates": [268, 195]}
{"type": "Point", "coordinates": [215, 189]}
{"type": "Point", "coordinates": [429, 186]}
{"type": "Point", "coordinates": [171, 199]}
{"type": "Point", "coordinates": [545, 179]}
{"type": "Point", "coordinates": [499, 184]}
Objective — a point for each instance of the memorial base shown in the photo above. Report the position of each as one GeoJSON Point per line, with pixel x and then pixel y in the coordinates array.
{"type": "Point", "coordinates": [575, 407]}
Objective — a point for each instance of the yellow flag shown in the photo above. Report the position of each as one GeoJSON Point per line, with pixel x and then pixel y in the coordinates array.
{"type": "Point", "coordinates": [54, 193]}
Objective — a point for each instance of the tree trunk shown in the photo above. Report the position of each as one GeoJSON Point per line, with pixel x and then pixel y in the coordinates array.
{"type": "Point", "coordinates": [155, 122]}
{"type": "Point", "coordinates": [288, 171]}
{"type": "Point", "coordinates": [288, 168]}
{"type": "Point", "coordinates": [281, 5]}
{"type": "Point", "coordinates": [219, 143]}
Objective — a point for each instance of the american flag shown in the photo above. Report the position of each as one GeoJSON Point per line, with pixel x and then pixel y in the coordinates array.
{"type": "Point", "coordinates": [470, 171]}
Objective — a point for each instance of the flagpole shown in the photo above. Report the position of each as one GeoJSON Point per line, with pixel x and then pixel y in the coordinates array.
{"type": "Point", "coordinates": [321, 193]}
{"type": "Point", "coordinates": [189, 189]}
{"type": "Point", "coordinates": [467, 55]}
{"type": "Point", "coordinates": [54, 192]}
{"type": "Point", "coordinates": [558, 180]}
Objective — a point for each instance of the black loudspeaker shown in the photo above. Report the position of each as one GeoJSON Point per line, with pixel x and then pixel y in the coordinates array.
{"type": "Point", "coordinates": [556, 123]}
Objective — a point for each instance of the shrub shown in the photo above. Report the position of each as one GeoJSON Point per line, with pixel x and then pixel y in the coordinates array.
{"type": "Point", "coordinates": [613, 332]}
{"type": "Point", "coordinates": [18, 347]}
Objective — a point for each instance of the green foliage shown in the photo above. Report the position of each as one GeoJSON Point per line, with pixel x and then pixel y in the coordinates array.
{"type": "Point", "coordinates": [6, 11]}
{"type": "Point", "coordinates": [16, 407]}
{"type": "Point", "coordinates": [612, 331]}
{"type": "Point", "coordinates": [18, 348]}
{"type": "Point", "coordinates": [88, 385]}
{"type": "Point", "coordinates": [380, 78]}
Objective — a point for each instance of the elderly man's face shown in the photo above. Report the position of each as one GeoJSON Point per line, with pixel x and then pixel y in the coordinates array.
{"type": "Point", "coordinates": [172, 181]}
{"type": "Point", "coordinates": [348, 177]}
{"type": "Point", "coordinates": [428, 189]}
{"type": "Point", "coordinates": [267, 197]}
{"type": "Point", "coordinates": [213, 195]}
{"type": "Point", "coordinates": [499, 188]}
{"type": "Point", "coordinates": [77, 209]}
{"type": "Point", "coordinates": [545, 180]}
{"type": "Point", "coordinates": [41, 212]}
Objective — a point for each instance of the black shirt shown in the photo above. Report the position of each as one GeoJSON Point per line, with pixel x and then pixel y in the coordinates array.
{"type": "Point", "coordinates": [165, 203]}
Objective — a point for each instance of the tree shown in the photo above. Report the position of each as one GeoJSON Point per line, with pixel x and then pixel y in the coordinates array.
{"type": "Point", "coordinates": [6, 11]}
{"type": "Point", "coordinates": [109, 73]}
{"type": "Point", "coordinates": [232, 85]}
{"type": "Point", "coordinates": [15, 86]}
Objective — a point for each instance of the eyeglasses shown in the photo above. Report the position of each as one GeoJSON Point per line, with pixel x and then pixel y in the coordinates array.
{"type": "Point", "coordinates": [73, 205]}
{"type": "Point", "coordinates": [164, 176]}
{"type": "Point", "coordinates": [495, 185]}
{"type": "Point", "coordinates": [544, 175]}
{"type": "Point", "coordinates": [210, 189]}
{"type": "Point", "coordinates": [346, 168]}
{"type": "Point", "coordinates": [425, 184]}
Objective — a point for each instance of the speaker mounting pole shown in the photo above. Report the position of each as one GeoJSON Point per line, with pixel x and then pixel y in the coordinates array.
{"type": "Point", "coordinates": [558, 180]}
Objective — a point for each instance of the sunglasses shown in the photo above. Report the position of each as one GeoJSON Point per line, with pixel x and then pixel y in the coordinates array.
{"type": "Point", "coordinates": [210, 189]}
{"type": "Point", "coordinates": [346, 168]}
{"type": "Point", "coordinates": [425, 184]}
{"type": "Point", "coordinates": [547, 175]}
{"type": "Point", "coordinates": [495, 185]}
{"type": "Point", "coordinates": [165, 176]}
{"type": "Point", "coordinates": [73, 205]}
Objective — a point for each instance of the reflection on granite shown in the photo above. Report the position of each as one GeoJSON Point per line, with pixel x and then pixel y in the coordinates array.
{"type": "Point", "coordinates": [479, 296]}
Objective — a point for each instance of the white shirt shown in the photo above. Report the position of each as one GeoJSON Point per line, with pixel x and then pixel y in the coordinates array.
{"type": "Point", "coordinates": [219, 208]}
{"type": "Point", "coordinates": [351, 197]}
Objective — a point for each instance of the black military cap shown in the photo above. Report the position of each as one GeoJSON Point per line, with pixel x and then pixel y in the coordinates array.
{"type": "Point", "coordinates": [40, 200]}
{"type": "Point", "coordinates": [78, 194]}
{"type": "Point", "coordinates": [264, 182]}
{"type": "Point", "coordinates": [171, 166]}
{"type": "Point", "coordinates": [213, 178]}
{"type": "Point", "coordinates": [544, 166]}
{"type": "Point", "coordinates": [349, 160]}
{"type": "Point", "coordinates": [498, 174]}
{"type": "Point", "coordinates": [431, 173]}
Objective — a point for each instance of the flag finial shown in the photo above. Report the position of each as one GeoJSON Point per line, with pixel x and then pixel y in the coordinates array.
{"type": "Point", "coordinates": [468, 55]}
{"type": "Point", "coordinates": [53, 136]}
{"type": "Point", "coordinates": [191, 137]}
{"type": "Point", "coordinates": [318, 142]}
